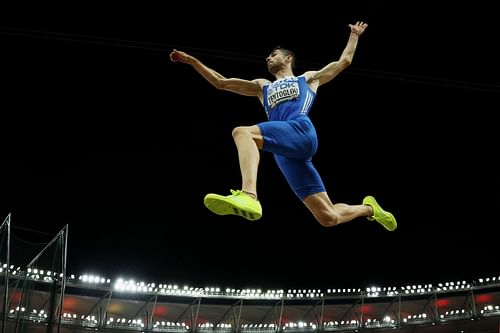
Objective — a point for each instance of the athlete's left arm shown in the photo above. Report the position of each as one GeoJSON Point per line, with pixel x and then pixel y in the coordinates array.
{"type": "Point", "coordinates": [330, 71]}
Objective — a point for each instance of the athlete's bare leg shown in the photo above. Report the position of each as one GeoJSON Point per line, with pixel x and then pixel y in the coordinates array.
{"type": "Point", "coordinates": [329, 214]}
{"type": "Point", "coordinates": [248, 140]}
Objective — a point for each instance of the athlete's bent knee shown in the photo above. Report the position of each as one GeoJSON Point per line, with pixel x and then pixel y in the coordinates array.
{"type": "Point", "coordinates": [237, 131]}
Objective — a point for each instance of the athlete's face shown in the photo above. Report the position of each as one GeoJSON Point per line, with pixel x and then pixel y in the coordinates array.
{"type": "Point", "coordinates": [276, 62]}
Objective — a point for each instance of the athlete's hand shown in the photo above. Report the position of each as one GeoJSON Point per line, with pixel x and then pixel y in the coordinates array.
{"type": "Point", "coordinates": [179, 56]}
{"type": "Point", "coordinates": [358, 28]}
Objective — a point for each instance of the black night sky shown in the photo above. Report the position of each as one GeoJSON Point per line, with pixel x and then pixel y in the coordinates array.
{"type": "Point", "coordinates": [103, 134]}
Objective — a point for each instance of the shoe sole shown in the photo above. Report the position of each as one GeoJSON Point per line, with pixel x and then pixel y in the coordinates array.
{"type": "Point", "coordinates": [220, 206]}
{"type": "Point", "coordinates": [389, 226]}
{"type": "Point", "coordinates": [392, 225]}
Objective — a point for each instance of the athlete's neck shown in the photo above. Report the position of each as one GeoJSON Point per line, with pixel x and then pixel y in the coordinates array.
{"type": "Point", "coordinates": [283, 73]}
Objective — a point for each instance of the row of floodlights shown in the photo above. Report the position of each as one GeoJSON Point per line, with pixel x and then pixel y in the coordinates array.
{"type": "Point", "coordinates": [132, 286]}
{"type": "Point", "coordinates": [387, 321]}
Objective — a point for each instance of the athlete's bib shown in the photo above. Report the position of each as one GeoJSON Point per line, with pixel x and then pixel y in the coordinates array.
{"type": "Point", "coordinates": [282, 90]}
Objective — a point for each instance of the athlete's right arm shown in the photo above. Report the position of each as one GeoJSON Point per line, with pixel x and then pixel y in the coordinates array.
{"type": "Point", "coordinates": [219, 81]}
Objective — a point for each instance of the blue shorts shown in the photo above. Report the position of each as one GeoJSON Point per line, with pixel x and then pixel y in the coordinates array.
{"type": "Point", "coordinates": [294, 143]}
